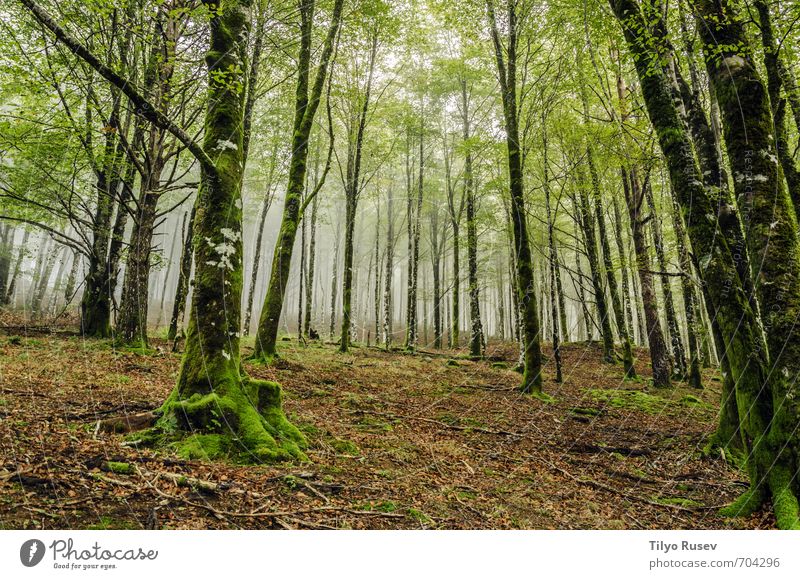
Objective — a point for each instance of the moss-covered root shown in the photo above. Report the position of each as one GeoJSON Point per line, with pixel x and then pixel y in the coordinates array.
{"type": "Point", "coordinates": [784, 501]}
{"type": "Point", "coordinates": [241, 420]}
{"type": "Point", "coordinates": [262, 358]}
{"type": "Point", "coordinates": [744, 506]}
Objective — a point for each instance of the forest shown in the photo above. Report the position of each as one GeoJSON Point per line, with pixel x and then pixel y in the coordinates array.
{"type": "Point", "coordinates": [399, 264]}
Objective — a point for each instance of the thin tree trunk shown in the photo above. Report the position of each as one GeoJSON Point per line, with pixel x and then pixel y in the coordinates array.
{"type": "Point", "coordinates": [306, 104]}
{"type": "Point", "coordinates": [388, 309]}
{"type": "Point", "coordinates": [587, 224]}
{"type": "Point", "coordinates": [312, 256]}
{"type": "Point", "coordinates": [182, 288]}
{"type": "Point", "coordinates": [674, 331]}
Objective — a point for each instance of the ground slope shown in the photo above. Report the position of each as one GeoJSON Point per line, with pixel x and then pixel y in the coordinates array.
{"type": "Point", "coordinates": [430, 440]}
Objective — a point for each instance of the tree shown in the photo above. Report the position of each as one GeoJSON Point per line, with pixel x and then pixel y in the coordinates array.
{"type": "Point", "coordinates": [506, 60]}
{"type": "Point", "coordinates": [215, 409]}
{"type": "Point", "coordinates": [307, 101]}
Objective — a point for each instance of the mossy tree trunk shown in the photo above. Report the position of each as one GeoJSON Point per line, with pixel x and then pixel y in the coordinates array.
{"type": "Point", "coordinates": [352, 187]}
{"type": "Point", "coordinates": [12, 282]}
{"type": "Point", "coordinates": [468, 197]}
{"type": "Point", "coordinates": [215, 407]}
{"type": "Point", "coordinates": [579, 289]}
{"type": "Point", "coordinates": [414, 217]}
{"type": "Point", "coordinates": [552, 262]}
{"type": "Point", "coordinates": [436, 264]}
{"type": "Point", "coordinates": [506, 60]}
{"type": "Point", "coordinates": [776, 73]}
{"type": "Point", "coordinates": [378, 269]}
{"type": "Point", "coordinates": [132, 323]}
{"type": "Point", "coordinates": [262, 219]}
{"type": "Point", "coordinates": [455, 209]}
{"type": "Point", "coordinates": [623, 266]}
{"type": "Point", "coordinates": [96, 300]}
{"type": "Point", "coordinates": [6, 249]}
{"type": "Point", "coordinates": [674, 330]}
{"type": "Point", "coordinates": [307, 99]}
{"type": "Point", "coordinates": [312, 257]}
{"type": "Point", "coordinates": [694, 377]}
{"type": "Point", "coordinates": [659, 355]}
{"type": "Point", "coordinates": [771, 234]}
{"type": "Point", "coordinates": [727, 299]}
{"type": "Point", "coordinates": [584, 212]}
{"type": "Point", "coordinates": [214, 410]}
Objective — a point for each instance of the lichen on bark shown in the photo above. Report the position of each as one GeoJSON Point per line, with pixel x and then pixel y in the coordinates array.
{"type": "Point", "coordinates": [216, 410]}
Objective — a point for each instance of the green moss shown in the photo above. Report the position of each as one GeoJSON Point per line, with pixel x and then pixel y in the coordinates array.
{"type": "Point", "coordinates": [419, 516]}
{"type": "Point", "coordinates": [744, 506]}
{"type": "Point", "coordinates": [343, 446]}
{"type": "Point", "coordinates": [241, 420]}
{"type": "Point", "coordinates": [139, 348]}
{"type": "Point", "coordinates": [373, 424]}
{"type": "Point", "coordinates": [631, 399]}
{"type": "Point", "coordinates": [380, 506]}
{"type": "Point", "coordinates": [203, 446]}
{"type": "Point", "coordinates": [690, 400]}
{"type": "Point", "coordinates": [784, 501]}
{"type": "Point", "coordinates": [579, 411]}
{"type": "Point", "coordinates": [542, 396]}
{"type": "Point", "coordinates": [120, 467]}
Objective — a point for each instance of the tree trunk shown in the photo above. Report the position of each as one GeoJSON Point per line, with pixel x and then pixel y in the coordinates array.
{"type": "Point", "coordinates": [674, 330]}
{"type": "Point", "coordinates": [12, 284]}
{"type": "Point", "coordinates": [334, 284]}
{"type": "Point", "coordinates": [553, 262]}
{"type": "Point", "coordinates": [623, 266]}
{"type": "Point", "coordinates": [476, 333]}
{"type": "Point", "coordinates": [772, 238]}
{"type": "Point", "coordinates": [262, 219]}
{"type": "Point", "coordinates": [215, 409]}
{"type": "Point", "coordinates": [587, 223]}
{"type": "Point", "coordinates": [352, 189]}
{"type": "Point", "coordinates": [388, 307]}
{"type": "Point", "coordinates": [611, 277]}
{"type": "Point", "coordinates": [182, 288]}
{"type": "Point", "coordinates": [659, 355]}
{"type": "Point", "coordinates": [312, 257]}
{"type": "Point", "coordinates": [306, 104]}
{"type": "Point", "coordinates": [6, 250]}
{"type": "Point", "coordinates": [694, 377]}
{"type": "Point", "coordinates": [72, 278]}
{"type": "Point", "coordinates": [776, 72]}
{"type": "Point", "coordinates": [436, 254]}
{"type": "Point", "coordinates": [507, 75]}
{"type": "Point", "coordinates": [132, 323]}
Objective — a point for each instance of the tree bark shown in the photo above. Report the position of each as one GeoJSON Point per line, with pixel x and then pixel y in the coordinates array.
{"type": "Point", "coordinates": [182, 288]}
{"type": "Point", "coordinates": [507, 75]}
{"type": "Point", "coordinates": [306, 104]}
{"type": "Point", "coordinates": [772, 239]}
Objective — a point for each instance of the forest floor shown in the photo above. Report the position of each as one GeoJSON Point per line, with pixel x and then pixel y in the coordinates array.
{"type": "Point", "coordinates": [396, 441]}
